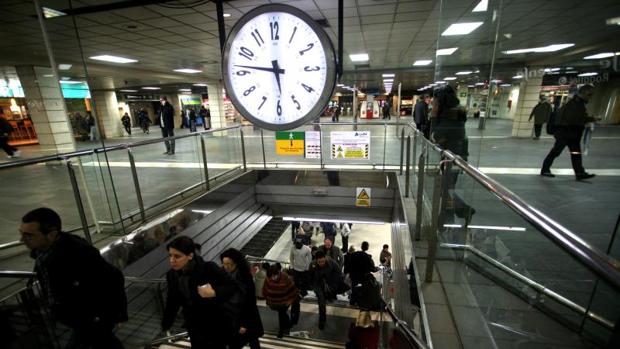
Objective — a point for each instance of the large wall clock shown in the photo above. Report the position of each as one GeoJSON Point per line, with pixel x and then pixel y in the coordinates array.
{"type": "Point", "coordinates": [279, 67]}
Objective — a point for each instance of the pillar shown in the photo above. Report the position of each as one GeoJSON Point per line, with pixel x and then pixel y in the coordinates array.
{"type": "Point", "coordinates": [47, 108]}
{"type": "Point", "coordinates": [528, 97]}
{"type": "Point", "coordinates": [216, 104]}
{"type": "Point", "coordinates": [105, 107]}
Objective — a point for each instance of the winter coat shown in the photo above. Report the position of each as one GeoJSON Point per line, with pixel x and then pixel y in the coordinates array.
{"type": "Point", "coordinates": [249, 316]}
{"type": "Point", "coordinates": [334, 254]}
{"type": "Point", "coordinates": [166, 116]}
{"type": "Point", "coordinates": [83, 288]}
{"type": "Point", "coordinates": [280, 293]}
{"type": "Point", "coordinates": [329, 275]}
{"type": "Point", "coordinates": [420, 113]}
{"type": "Point", "coordinates": [541, 113]}
{"type": "Point", "coordinates": [360, 264]}
{"type": "Point", "coordinates": [449, 131]}
{"type": "Point", "coordinates": [574, 113]}
{"type": "Point", "coordinates": [208, 315]}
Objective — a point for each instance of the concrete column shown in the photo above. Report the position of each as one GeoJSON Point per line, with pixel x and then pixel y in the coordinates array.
{"type": "Point", "coordinates": [216, 104]}
{"type": "Point", "coordinates": [105, 107]}
{"type": "Point", "coordinates": [528, 97]}
{"type": "Point", "coordinates": [47, 108]}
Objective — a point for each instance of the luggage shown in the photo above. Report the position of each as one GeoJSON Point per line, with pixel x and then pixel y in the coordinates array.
{"type": "Point", "coordinates": [367, 294]}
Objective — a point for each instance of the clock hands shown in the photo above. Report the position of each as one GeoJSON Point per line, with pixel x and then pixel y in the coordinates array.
{"type": "Point", "coordinates": [275, 69]}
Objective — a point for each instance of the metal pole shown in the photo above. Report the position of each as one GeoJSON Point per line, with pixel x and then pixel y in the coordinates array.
{"type": "Point", "coordinates": [78, 201]}
{"type": "Point", "coordinates": [220, 23]}
{"type": "Point", "coordinates": [321, 146]}
{"type": "Point", "coordinates": [420, 197]}
{"type": "Point", "coordinates": [354, 107]}
{"type": "Point", "coordinates": [262, 141]}
{"type": "Point", "coordinates": [415, 145]}
{"type": "Point", "coordinates": [384, 143]}
{"type": "Point", "coordinates": [402, 149]}
{"type": "Point", "coordinates": [136, 183]}
{"type": "Point", "coordinates": [432, 239]}
{"type": "Point", "coordinates": [407, 168]}
{"type": "Point", "coordinates": [245, 167]}
{"type": "Point", "coordinates": [204, 161]}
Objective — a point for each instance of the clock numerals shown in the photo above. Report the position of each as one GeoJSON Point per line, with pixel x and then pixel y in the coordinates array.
{"type": "Point", "coordinates": [309, 68]}
{"type": "Point", "coordinates": [259, 39]}
{"type": "Point", "coordinates": [307, 88]}
{"type": "Point", "coordinates": [243, 72]}
{"type": "Point", "coordinates": [246, 52]}
{"type": "Point", "coordinates": [310, 46]}
{"type": "Point", "coordinates": [264, 100]}
{"type": "Point", "coordinates": [248, 91]}
{"type": "Point", "coordinates": [291, 39]}
{"type": "Point", "coordinates": [275, 29]}
{"type": "Point", "coordinates": [279, 108]}
{"type": "Point", "coordinates": [296, 102]}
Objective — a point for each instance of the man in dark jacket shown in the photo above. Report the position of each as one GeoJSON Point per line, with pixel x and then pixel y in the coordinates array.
{"type": "Point", "coordinates": [540, 113]}
{"type": "Point", "coordinates": [420, 115]}
{"type": "Point", "coordinates": [326, 282]}
{"type": "Point", "coordinates": [166, 122]}
{"type": "Point", "coordinates": [83, 291]}
{"type": "Point", "coordinates": [361, 264]}
{"type": "Point", "coordinates": [571, 120]}
{"type": "Point", "coordinates": [5, 130]}
{"type": "Point", "coordinates": [332, 252]}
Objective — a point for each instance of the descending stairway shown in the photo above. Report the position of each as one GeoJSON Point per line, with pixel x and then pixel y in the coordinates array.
{"type": "Point", "coordinates": [270, 341]}
{"type": "Point", "coordinates": [262, 242]}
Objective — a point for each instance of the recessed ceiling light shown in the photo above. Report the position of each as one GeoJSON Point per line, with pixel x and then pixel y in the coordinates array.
{"type": "Point", "coordinates": [388, 75]}
{"type": "Point", "coordinates": [151, 88]}
{"type": "Point", "coordinates": [201, 85]}
{"type": "Point", "coordinates": [388, 80]}
{"type": "Point", "coordinates": [518, 77]}
{"type": "Point", "coordinates": [113, 59]}
{"type": "Point", "coordinates": [600, 55]}
{"type": "Point", "coordinates": [471, 86]}
{"type": "Point", "coordinates": [551, 69]}
{"type": "Point", "coordinates": [70, 82]}
{"type": "Point", "coordinates": [466, 72]}
{"type": "Point", "coordinates": [450, 78]}
{"type": "Point", "coordinates": [359, 57]}
{"type": "Point", "coordinates": [548, 48]}
{"type": "Point", "coordinates": [339, 85]}
{"type": "Point", "coordinates": [496, 81]}
{"type": "Point", "coordinates": [422, 62]}
{"type": "Point", "coordinates": [461, 28]}
{"type": "Point", "coordinates": [188, 71]}
{"type": "Point", "coordinates": [571, 72]}
{"type": "Point", "coordinates": [482, 6]}
{"type": "Point", "coordinates": [588, 74]}
{"type": "Point", "coordinates": [48, 75]}
{"type": "Point", "coordinates": [51, 13]}
{"type": "Point", "coordinates": [613, 21]}
{"type": "Point", "coordinates": [226, 14]}
{"type": "Point", "coordinates": [505, 85]}
{"type": "Point", "coordinates": [479, 83]}
{"type": "Point", "coordinates": [446, 51]}
{"type": "Point", "coordinates": [440, 82]}
{"type": "Point", "coordinates": [128, 90]}
{"type": "Point", "coordinates": [64, 66]}
{"type": "Point", "coordinates": [185, 89]}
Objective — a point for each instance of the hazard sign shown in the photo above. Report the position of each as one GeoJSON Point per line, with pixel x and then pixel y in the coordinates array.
{"type": "Point", "coordinates": [290, 143]}
{"type": "Point", "coordinates": [350, 144]}
{"type": "Point", "coordinates": [362, 197]}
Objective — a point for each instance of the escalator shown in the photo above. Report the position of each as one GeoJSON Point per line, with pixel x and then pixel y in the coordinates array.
{"type": "Point", "coordinates": [269, 341]}
{"type": "Point", "coordinates": [262, 242]}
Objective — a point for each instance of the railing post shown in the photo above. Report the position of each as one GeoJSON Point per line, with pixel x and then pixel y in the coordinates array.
{"type": "Point", "coordinates": [262, 141]}
{"type": "Point", "coordinates": [420, 196]}
{"type": "Point", "coordinates": [78, 202]}
{"type": "Point", "coordinates": [321, 146]}
{"type": "Point", "coordinates": [136, 183]}
{"type": "Point", "coordinates": [432, 239]}
{"type": "Point", "coordinates": [384, 142]}
{"type": "Point", "coordinates": [402, 149]}
{"type": "Point", "coordinates": [407, 168]}
{"type": "Point", "coordinates": [204, 161]}
{"type": "Point", "coordinates": [415, 145]}
{"type": "Point", "coordinates": [245, 167]}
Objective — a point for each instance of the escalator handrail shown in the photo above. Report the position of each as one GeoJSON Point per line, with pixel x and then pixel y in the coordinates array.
{"type": "Point", "coordinates": [586, 254]}
{"type": "Point", "coordinates": [169, 338]}
{"type": "Point", "coordinates": [408, 332]}
{"type": "Point", "coordinates": [261, 259]}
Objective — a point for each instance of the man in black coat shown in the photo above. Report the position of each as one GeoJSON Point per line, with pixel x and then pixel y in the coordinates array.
{"type": "Point", "coordinates": [166, 122]}
{"type": "Point", "coordinates": [361, 264]}
{"type": "Point", "coordinates": [83, 291]}
{"type": "Point", "coordinates": [420, 115]}
{"type": "Point", "coordinates": [327, 282]}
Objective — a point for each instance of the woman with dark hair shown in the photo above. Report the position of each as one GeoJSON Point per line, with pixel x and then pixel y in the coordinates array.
{"type": "Point", "coordinates": [249, 326]}
{"type": "Point", "coordinates": [201, 288]}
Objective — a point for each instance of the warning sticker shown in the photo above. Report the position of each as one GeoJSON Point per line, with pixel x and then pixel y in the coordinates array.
{"type": "Point", "coordinates": [362, 197]}
{"type": "Point", "coordinates": [350, 144]}
{"type": "Point", "coordinates": [290, 143]}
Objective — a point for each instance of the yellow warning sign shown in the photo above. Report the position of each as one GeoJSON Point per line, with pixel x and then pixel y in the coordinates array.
{"type": "Point", "coordinates": [362, 197]}
{"type": "Point", "coordinates": [290, 143]}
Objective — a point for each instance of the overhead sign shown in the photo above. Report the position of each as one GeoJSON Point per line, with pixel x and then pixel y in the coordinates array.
{"type": "Point", "coordinates": [290, 143]}
{"type": "Point", "coordinates": [313, 144]}
{"type": "Point", "coordinates": [350, 144]}
{"type": "Point", "coordinates": [362, 197]}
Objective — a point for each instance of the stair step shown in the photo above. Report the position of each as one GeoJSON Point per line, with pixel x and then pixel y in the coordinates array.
{"type": "Point", "coordinates": [270, 341]}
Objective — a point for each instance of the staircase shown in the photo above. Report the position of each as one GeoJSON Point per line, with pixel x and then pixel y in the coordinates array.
{"type": "Point", "coordinates": [270, 341]}
{"type": "Point", "coordinates": [262, 242]}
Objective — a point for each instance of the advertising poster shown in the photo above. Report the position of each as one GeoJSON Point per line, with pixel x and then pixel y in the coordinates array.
{"type": "Point", "coordinates": [313, 145]}
{"type": "Point", "coordinates": [350, 144]}
{"type": "Point", "coordinates": [290, 143]}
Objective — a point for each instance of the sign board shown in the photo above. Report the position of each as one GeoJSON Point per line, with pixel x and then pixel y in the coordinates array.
{"type": "Point", "coordinates": [289, 143]}
{"type": "Point", "coordinates": [313, 145]}
{"type": "Point", "coordinates": [350, 144]}
{"type": "Point", "coordinates": [362, 197]}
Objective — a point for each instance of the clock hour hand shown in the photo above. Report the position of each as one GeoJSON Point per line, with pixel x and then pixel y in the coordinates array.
{"type": "Point", "coordinates": [276, 71]}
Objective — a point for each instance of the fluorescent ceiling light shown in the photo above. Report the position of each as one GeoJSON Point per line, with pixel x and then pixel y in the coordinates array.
{"type": "Point", "coordinates": [188, 71]}
{"type": "Point", "coordinates": [446, 51]}
{"type": "Point", "coordinates": [151, 88]}
{"type": "Point", "coordinates": [587, 74]}
{"type": "Point", "coordinates": [547, 70]}
{"type": "Point", "coordinates": [466, 72]}
{"type": "Point", "coordinates": [388, 80]}
{"type": "Point", "coordinates": [359, 57]}
{"type": "Point", "coordinates": [203, 211]}
{"type": "Point", "coordinates": [318, 219]}
{"type": "Point", "coordinates": [422, 62]}
{"type": "Point", "coordinates": [64, 66]}
{"type": "Point", "coordinates": [471, 86]}
{"type": "Point", "coordinates": [388, 75]}
{"type": "Point", "coordinates": [440, 82]}
{"type": "Point", "coordinates": [600, 55]}
{"type": "Point", "coordinates": [129, 90]}
{"type": "Point", "coordinates": [51, 13]}
{"type": "Point", "coordinates": [461, 28]}
{"type": "Point", "coordinates": [613, 21]}
{"type": "Point", "coordinates": [339, 85]}
{"type": "Point", "coordinates": [185, 89]}
{"type": "Point", "coordinates": [548, 48]}
{"type": "Point", "coordinates": [449, 78]}
{"type": "Point", "coordinates": [48, 75]}
{"type": "Point", "coordinates": [479, 83]}
{"type": "Point", "coordinates": [202, 85]}
{"type": "Point", "coordinates": [486, 227]}
{"type": "Point", "coordinates": [496, 81]}
{"type": "Point", "coordinates": [482, 6]}
{"type": "Point", "coordinates": [505, 85]}
{"type": "Point", "coordinates": [70, 82]}
{"type": "Point", "coordinates": [518, 77]}
{"type": "Point", "coordinates": [571, 72]}
{"type": "Point", "coordinates": [226, 14]}
{"type": "Point", "coordinates": [113, 59]}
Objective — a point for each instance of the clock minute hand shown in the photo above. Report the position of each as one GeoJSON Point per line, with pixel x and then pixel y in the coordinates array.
{"type": "Point", "coordinates": [271, 70]}
{"type": "Point", "coordinates": [277, 71]}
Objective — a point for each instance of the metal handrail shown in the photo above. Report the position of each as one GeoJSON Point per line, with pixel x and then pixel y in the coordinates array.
{"type": "Point", "coordinates": [141, 280]}
{"type": "Point", "coordinates": [20, 274]}
{"type": "Point", "coordinates": [11, 244]}
{"type": "Point", "coordinates": [261, 259]}
{"type": "Point", "coordinates": [169, 338]}
{"type": "Point", "coordinates": [409, 333]}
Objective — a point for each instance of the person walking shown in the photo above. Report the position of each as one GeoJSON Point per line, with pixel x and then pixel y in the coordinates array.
{"type": "Point", "coordinates": [206, 117]}
{"type": "Point", "coordinates": [345, 231]}
{"type": "Point", "coordinates": [300, 259]}
{"type": "Point", "coordinates": [5, 131]}
{"type": "Point", "coordinates": [336, 115]}
{"type": "Point", "coordinates": [332, 252]}
{"type": "Point", "coordinates": [280, 292]}
{"type": "Point", "coordinates": [201, 288]}
{"type": "Point", "coordinates": [540, 113]}
{"type": "Point", "coordinates": [145, 121]}
{"type": "Point", "coordinates": [327, 282]}
{"type": "Point", "coordinates": [420, 115]}
{"type": "Point", "coordinates": [82, 290]}
{"type": "Point", "coordinates": [89, 121]}
{"type": "Point", "coordinates": [192, 120]}
{"type": "Point", "coordinates": [361, 264]}
{"type": "Point", "coordinates": [249, 326]}
{"type": "Point", "coordinates": [126, 120]}
{"type": "Point", "coordinates": [166, 122]}
{"type": "Point", "coordinates": [571, 121]}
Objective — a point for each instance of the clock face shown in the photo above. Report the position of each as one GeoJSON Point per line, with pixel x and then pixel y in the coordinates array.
{"type": "Point", "coordinates": [279, 67]}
